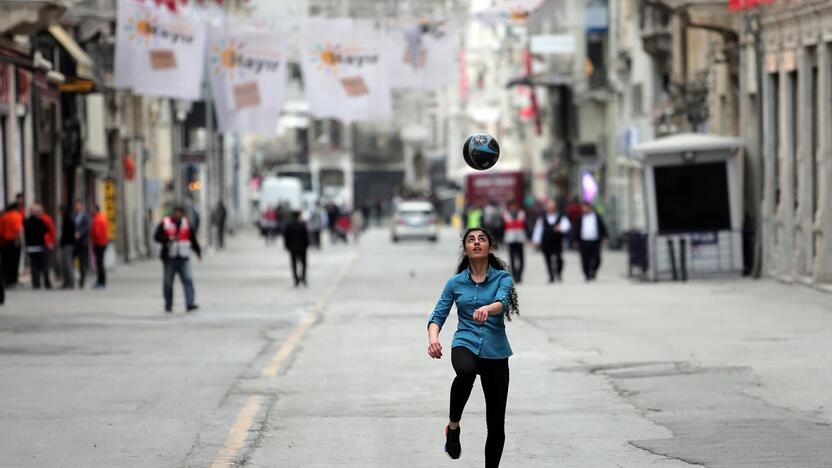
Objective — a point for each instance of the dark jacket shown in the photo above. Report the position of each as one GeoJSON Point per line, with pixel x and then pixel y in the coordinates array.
{"type": "Point", "coordinates": [602, 228]}
{"type": "Point", "coordinates": [160, 237]}
{"type": "Point", "coordinates": [82, 229]}
{"type": "Point", "coordinates": [35, 231]}
{"type": "Point", "coordinates": [296, 236]}
{"type": "Point", "coordinates": [552, 240]}
{"type": "Point", "coordinates": [67, 230]}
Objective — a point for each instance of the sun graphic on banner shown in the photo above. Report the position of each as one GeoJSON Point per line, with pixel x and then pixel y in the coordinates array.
{"type": "Point", "coordinates": [224, 57]}
{"type": "Point", "coordinates": [140, 28]}
{"type": "Point", "coordinates": [326, 56]}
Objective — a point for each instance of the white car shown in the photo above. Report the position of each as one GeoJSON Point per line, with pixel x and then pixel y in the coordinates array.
{"type": "Point", "coordinates": [415, 220]}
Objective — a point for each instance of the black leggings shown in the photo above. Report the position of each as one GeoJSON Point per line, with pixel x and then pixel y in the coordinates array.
{"type": "Point", "coordinates": [494, 378]}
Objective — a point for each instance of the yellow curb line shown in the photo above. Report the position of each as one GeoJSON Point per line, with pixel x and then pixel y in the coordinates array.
{"type": "Point", "coordinates": [245, 419]}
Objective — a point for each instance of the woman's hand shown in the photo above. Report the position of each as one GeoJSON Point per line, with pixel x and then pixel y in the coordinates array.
{"type": "Point", "coordinates": [481, 314]}
{"type": "Point", "coordinates": [435, 349]}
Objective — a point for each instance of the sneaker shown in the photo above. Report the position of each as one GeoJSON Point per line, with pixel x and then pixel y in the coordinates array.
{"type": "Point", "coordinates": [192, 307]}
{"type": "Point", "coordinates": [452, 446]}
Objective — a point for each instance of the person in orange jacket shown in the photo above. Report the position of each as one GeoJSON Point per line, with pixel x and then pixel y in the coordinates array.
{"type": "Point", "coordinates": [50, 238]}
{"type": "Point", "coordinates": [11, 239]}
{"type": "Point", "coordinates": [99, 236]}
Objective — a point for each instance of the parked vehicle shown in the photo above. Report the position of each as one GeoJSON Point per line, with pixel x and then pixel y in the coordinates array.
{"type": "Point", "coordinates": [277, 193]}
{"type": "Point", "coordinates": [415, 220]}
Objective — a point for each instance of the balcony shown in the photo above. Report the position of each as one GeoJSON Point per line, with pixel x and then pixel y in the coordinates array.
{"type": "Point", "coordinates": [656, 33]}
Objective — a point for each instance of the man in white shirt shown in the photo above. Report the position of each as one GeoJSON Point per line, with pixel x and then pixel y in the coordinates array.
{"type": "Point", "coordinates": [548, 234]}
{"type": "Point", "coordinates": [589, 233]}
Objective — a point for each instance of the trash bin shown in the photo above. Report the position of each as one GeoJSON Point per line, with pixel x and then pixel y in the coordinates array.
{"type": "Point", "coordinates": [636, 252]}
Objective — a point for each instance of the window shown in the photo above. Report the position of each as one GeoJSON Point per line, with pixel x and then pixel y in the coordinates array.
{"type": "Point", "coordinates": [692, 197]}
{"type": "Point", "coordinates": [596, 65]}
{"type": "Point", "coordinates": [814, 126]}
{"type": "Point", "coordinates": [774, 129]}
{"type": "Point", "coordinates": [794, 118]}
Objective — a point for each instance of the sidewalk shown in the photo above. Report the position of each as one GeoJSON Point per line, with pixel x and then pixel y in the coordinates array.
{"type": "Point", "coordinates": [103, 378]}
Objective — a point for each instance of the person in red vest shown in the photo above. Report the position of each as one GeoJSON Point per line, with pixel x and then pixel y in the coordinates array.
{"type": "Point", "coordinates": [514, 226]}
{"type": "Point", "coordinates": [177, 239]}
{"type": "Point", "coordinates": [100, 237]}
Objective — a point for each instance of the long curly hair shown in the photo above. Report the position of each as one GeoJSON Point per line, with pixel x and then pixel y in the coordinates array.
{"type": "Point", "coordinates": [497, 264]}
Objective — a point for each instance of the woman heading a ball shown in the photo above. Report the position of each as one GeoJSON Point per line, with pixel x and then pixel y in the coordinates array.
{"type": "Point", "coordinates": [485, 298]}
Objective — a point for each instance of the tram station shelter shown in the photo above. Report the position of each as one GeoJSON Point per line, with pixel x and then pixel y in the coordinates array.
{"type": "Point", "coordinates": [693, 206]}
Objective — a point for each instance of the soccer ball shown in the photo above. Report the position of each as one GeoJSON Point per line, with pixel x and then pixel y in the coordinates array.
{"type": "Point", "coordinates": [481, 151]}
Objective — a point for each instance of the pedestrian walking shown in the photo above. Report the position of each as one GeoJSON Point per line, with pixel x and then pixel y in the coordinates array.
{"type": "Point", "coordinates": [492, 219]}
{"type": "Point", "coordinates": [357, 224]}
{"type": "Point", "coordinates": [11, 241]}
{"type": "Point", "coordinates": [51, 237]}
{"type": "Point", "coordinates": [589, 232]}
{"type": "Point", "coordinates": [332, 215]}
{"type": "Point", "coordinates": [316, 220]}
{"type": "Point", "coordinates": [514, 225]}
{"type": "Point", "coordinates": [81, 250]}
{"type": "Point", "coordinates": [177, 238]}
{"type": "Point", "coordinates": [485, 298]}
{"type": "Point", "coordinates": [219, 216]}
{"type": "Point", "coordinates": [67, 245]}
{"type": "Point", "coordinates": [573, 212]}
{"type": "Point", "coordinates": [473, 218]}
{"type": "Point", "coordinates": [548, 236]}
{"type": "Point", "coordinates": [100, 237]}
{"type": "Point", "coordinates": [296, 241]}
{"type": "Point", "coordinates": [36, 232]}
{"type": "Point", "coordinates": [342, 227]}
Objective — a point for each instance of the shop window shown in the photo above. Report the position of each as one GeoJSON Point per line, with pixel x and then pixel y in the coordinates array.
{"type": "Point", "coordinates": [692, 198]}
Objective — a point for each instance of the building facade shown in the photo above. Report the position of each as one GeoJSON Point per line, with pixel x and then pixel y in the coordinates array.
{"type": "Point", "coordinates": [796, 138]}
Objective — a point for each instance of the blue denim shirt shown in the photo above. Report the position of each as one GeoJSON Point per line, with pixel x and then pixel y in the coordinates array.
{"type": "Point", "coordinates": [489, 339]}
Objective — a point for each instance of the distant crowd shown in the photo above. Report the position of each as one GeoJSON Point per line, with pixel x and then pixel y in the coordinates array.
{"type": "Point", "coordinates": [30, 242]}
{"type": "Point", "coordinates": [341, 222]}
{"type": "Point", "coordinates": [579, 226]}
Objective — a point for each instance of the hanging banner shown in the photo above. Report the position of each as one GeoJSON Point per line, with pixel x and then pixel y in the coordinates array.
{"type": "Point", "coordinates": [514, 11]}
{"type": "Point", "coordinates": [159, 52]}
{"type": "Point", "coordinates": [345, 70]}
{"type": "Point", "coordinates": [422, 57]}
{"type": "Point", "coordinates": [247, 68]}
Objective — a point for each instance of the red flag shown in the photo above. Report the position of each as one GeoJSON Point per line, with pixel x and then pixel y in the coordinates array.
{"type": "Point", "coordinates": [527, 59]}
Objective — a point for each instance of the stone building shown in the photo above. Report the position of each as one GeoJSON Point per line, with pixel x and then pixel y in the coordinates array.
{"type": "Point", "coordinates": [797, 137]}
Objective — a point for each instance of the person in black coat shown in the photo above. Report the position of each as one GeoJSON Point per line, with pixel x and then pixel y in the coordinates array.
{"type": "Point", "coordinates": [296, 241]}
{"type": "Point", "coordinates": [82, 240]}
{"type": "Point", "coordinates": [36, 230]}
{"type": "Point", "coordinates": [589, 231]}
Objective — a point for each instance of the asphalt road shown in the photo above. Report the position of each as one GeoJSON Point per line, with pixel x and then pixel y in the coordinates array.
{"type": "Point", "coordinates": [717, 373]}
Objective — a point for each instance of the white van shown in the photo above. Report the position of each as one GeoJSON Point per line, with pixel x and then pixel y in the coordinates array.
{"type": "Point", "coordinates": [277, 191]}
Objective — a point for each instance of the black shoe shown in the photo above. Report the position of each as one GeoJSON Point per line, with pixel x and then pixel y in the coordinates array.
{"type": "Point", "coordinates": [452, 446]}
{"type": "Point", "coordinates": [169, 310]}
{"type": "Point", "coordinates": [192, 308]}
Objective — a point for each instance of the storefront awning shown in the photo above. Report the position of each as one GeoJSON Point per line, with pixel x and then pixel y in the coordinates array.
{"type": "Point", "coordinates": [83, 62]}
